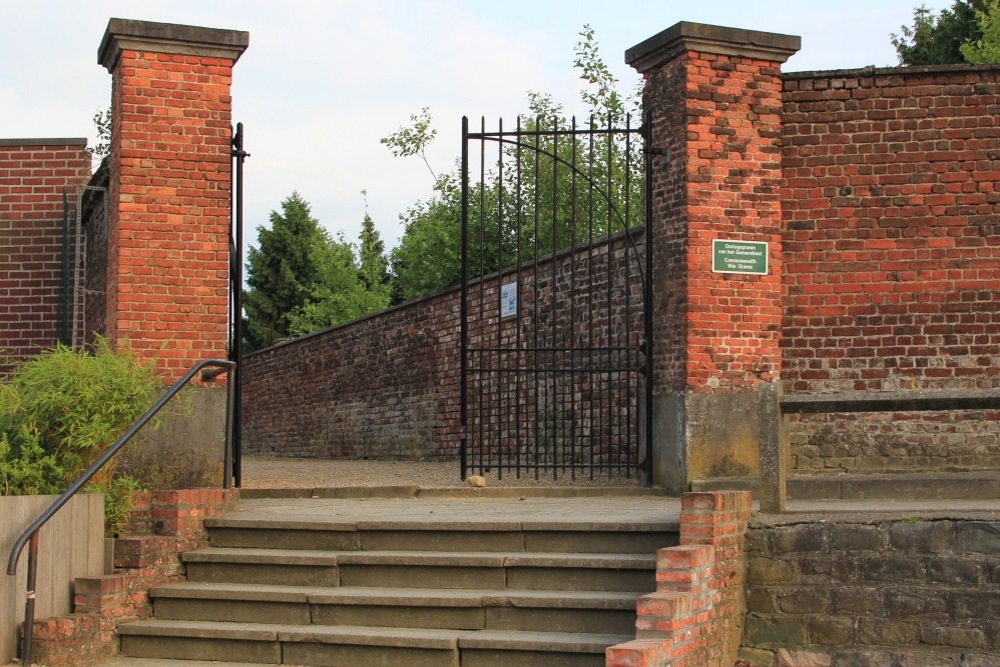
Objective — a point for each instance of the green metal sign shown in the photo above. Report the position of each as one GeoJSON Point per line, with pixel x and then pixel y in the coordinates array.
{"type": "Point", "coordinates": [739, 257]}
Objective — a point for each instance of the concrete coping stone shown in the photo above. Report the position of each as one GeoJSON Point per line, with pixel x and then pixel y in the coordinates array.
{"type": "Point", "coordinates": [617, 561]}
{"type": "Point", "coordinates": [394, 492]}
{"type": "Point", "coordinates": [202, 630]}
{"type": "Point", "coordinates": [371, 636]}
{"type": "Point", "coordinates": [44, 141]}
{"type": "Point", "coordinates": [432, 559]}
{"type": "Point", "coordinates": [600, 526]}
{"type": "Point", "coordinates": [561, 642]}
{"type": "Point", "coordinates": [172, 38]}
{"type": "Point", "coordinates": [687, 36]}
{"type": "Point", "coordinates": [262, 556]}
{"type": "Point", "coordinates": [247, 592]}
{"type": "Point", "coordinates": [435, 524]}
{"type": "Point", "coordinates": [287, 523]}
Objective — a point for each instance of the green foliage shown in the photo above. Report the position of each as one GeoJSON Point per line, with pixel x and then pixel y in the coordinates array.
{"type": "Point", "coordinates": [938, 39]}
{"type": "Point", "coordinates": [302, 279]}
{"type": "Point", "coordinates": [374, 269]}
{"type": "Point", "coordinates": [28, 471]}
{"type": "Point", "coordinates": [102, 123]}
{"type": "Point", "coordinates": [986, 49]}
{"type": "Point", "coordinates": [546, 183]}
{"type": "Point", "coordinates": [62, 410]}
{"type": "Point", "coordinates": [282, 273]}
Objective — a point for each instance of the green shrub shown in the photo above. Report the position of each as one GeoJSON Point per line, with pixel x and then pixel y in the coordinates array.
{"type": "Point", "coordinates": [62, 410]}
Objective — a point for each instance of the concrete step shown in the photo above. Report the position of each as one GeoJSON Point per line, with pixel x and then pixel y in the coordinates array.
{"type": "Point", "coordinates": [502, 536]}
{"type": "Point", "coordinates": [360, 646]}
{"type": "Point", "coordinates": [415, 569]}
{"type": "Point", "coordinates": [974, 485]}
{"type": "Point", "coordinates": [556, 611]}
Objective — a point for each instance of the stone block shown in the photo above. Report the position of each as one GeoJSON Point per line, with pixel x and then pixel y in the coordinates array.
{"type": "Point", "coordinates": [808, 537]}
{"type": "Point", "coordinates": [882, 632]}
{"type": "Point", "coordinates": [924, 536]}
{"type": "Point", "coordinates": [862, 600]}
{"type": "Point", "coordinates": [863, 658]}
{"type": "Point", "coordinates": [810, 600]}
{"type": "Point", "coordinates": [757, 657]}
{"type": "Point", "coordinates": [890, 568]}
{"type": "Point", "coordinates": [760, 601]}
{"type": "Point", "coordinates": [978, 537]}
{"type": "Point", "coordinates": [948, 636]}
{"type": "Point", "coordinates": [802, 658]}
{"type": "Point", "coordinates": [767, 571]}
{"type": "Point", "coordinates": [973, 604]}
{"type": "Point", "coordinates": [951, 569]}
{"type": "Point", "coordinates": [856, 537]}
{"type": "Point", "coordinates": [763, 630]}
{"type": "Point", "coordinates": [830, 630]}
{"type": "Point", "coordinates": [913, 602]}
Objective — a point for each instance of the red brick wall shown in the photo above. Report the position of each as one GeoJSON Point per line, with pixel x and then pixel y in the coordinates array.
{"type": "Point", "coordinates": [696, 615]}
{"type": "Point", "coordinates": [892, 256]}
{"type": "Point", "coordinates": [169, 206]}
{"type": "Point", "coordinates": [34, 173]}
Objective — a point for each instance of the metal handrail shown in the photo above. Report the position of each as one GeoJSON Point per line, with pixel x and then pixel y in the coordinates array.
{"type": "Point", "coordinates": [30, 535]}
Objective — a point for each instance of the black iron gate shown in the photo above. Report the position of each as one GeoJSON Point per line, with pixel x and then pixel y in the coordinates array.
{"type": "Point", "coordinates": [555, 292]}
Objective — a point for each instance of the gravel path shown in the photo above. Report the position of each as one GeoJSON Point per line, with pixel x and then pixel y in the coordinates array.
{"type": "Point", "coordinates": [260, 472]}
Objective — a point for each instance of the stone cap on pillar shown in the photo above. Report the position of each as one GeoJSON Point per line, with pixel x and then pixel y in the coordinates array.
{"type": "Point", "coordinates": [169, 38]}
{"type": "Point", "coordinates": [703, 38]}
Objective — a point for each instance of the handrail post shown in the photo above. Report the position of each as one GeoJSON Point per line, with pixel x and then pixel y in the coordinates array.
{"type": "Point", "coordinates": [227, 455]}
{"type": "Point", "coordinates": [29, 600]}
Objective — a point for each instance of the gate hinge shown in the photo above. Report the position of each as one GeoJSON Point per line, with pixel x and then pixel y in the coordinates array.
{"type": "Point", "coordinates": [654, 150]}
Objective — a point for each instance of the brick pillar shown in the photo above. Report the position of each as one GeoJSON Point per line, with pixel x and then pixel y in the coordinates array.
{"type": "Point", "coordinates": [169, 193]}
{"type": "Point", "coordinates": [715, 98]}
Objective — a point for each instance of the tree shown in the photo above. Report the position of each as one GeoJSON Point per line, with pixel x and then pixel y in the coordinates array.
{"type": "Point", "coordinates": [374, 270]}
{"type": "Point", "coordinates": [938, 39]}
{"type": "Point", "coordinates": [302, 279]}
{"type": "Point", "coordinates": [428, 256]}
{"type": "Point", "coordinates": [283, 272]}
{"type": "Point", "coordinates": [986, 49]}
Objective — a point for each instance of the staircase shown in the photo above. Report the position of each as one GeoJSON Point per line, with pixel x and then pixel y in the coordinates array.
{"type": "Point", "coordinates": [438, 581]}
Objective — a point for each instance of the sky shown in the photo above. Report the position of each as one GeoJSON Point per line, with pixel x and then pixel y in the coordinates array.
{"type": "Point", "coordinates": [323, 81]}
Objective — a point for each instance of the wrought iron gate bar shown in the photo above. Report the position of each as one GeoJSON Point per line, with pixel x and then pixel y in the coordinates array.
{"type": "Point", "coordinates": [554, 370]}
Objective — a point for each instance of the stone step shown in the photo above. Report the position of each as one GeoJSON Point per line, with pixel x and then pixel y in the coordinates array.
{"type": "Point", "coordinates": [428, 535]}
{"type": "Point", "coordinates": [414, 569]}
{"type": "Point", "coordinates": [360, 646]}
{"type": "Point", "coordinates": [566, 611]}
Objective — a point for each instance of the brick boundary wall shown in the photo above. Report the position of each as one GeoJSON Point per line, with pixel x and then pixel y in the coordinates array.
{"type": "Point", "coordinates": [872, 591]}
{"type": "Point", "coordinates": [891, 245]}
{"type": "Point", "coordinates": [695, 617]}
{"type": "Point", "coordinates": [387, 385]}
{"type": "Point", "coordinates": [34, 174]}
{"type": "Point", "coordinates": [164, 524]}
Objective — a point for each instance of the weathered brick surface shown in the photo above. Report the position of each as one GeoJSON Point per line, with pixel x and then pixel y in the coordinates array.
{"type": "Point", "coordinates": [34, 175]}
{"type": "Point", "coordinates": [892, 258]}
{"type": "Point", "coordinates": [877, 591]}
{"type": "Point", "coordinates": [696, 615]}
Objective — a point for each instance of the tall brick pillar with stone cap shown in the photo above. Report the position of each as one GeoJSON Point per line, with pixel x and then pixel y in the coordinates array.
{"type": "Point", "coordinates": [169, 194]}
{"type": "Point", "coordinates": [715, 98]}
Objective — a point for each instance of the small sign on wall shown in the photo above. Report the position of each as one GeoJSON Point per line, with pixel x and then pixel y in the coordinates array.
{"type": "Point", "coordinates": [739, 257]}
{"type": "Point", "coordinates": [508, 300]}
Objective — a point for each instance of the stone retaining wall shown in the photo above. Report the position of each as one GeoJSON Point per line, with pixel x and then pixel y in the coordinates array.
{"type": "Point", "coordinates": [875, 592]}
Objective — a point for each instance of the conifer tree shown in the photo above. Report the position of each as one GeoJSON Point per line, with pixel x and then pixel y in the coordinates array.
{"type": "Point", "coordinates": [281, 273]}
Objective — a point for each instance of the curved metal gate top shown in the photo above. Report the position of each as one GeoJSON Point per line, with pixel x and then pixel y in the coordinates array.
{"type": "Point", "coordinates": [555, 293]}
